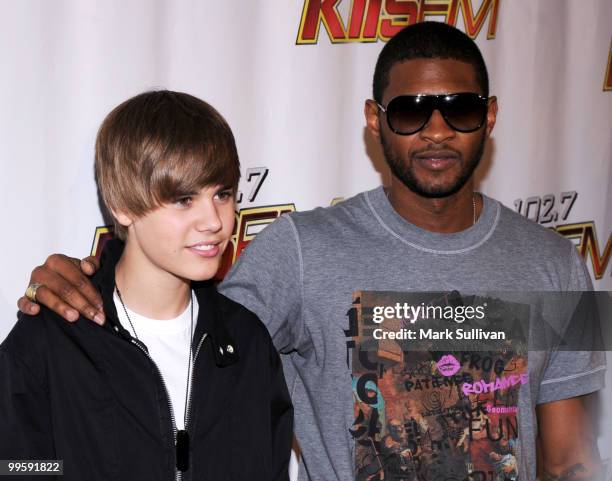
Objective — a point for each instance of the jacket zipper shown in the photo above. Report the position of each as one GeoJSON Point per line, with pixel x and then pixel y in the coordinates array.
{"type": "Point", "coordinates": [190, 392]}
{"type": "Point", "coordinates": [188, 411]}
{"type": "Point", "coordinates": [168, 400]}
{"type": "Point", "coordinates": [178, 474]}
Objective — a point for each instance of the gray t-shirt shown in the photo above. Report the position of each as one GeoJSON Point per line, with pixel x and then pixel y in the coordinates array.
{"type": "Point", "coordinates": [300, 276]}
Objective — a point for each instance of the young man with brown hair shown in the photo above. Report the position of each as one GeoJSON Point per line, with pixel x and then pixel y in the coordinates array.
{"type": "Point", "coordinates": [181, 382]}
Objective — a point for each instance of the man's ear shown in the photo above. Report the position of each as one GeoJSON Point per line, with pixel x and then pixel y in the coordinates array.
{"type": "Point", "coordinates": [491, 114]}
{"type": "Point", "coordinates": [372, 119]}
{"type": "Point", "coordinates": [123, 218]}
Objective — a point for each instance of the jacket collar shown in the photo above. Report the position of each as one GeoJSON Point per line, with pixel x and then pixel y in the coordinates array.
{"type": "Point", "coordinates": [210, 316]}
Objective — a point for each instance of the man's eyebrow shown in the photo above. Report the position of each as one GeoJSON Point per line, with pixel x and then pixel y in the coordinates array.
{"type": "Point", "coordinates": [185, 193]}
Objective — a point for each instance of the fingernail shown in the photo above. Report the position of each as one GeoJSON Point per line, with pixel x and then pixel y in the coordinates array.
{"type": "Point", "coordinates": [99, 319]}
{"type": "Point", "coordinates": [32, 308]}
{"type": "Point", "coordinates": [73, 315]}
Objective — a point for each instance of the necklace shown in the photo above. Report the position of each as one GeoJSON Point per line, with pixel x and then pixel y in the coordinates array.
{"type": "Point", "coordinates": [182, 436]}
{"type": "Point", "coordinates": [473, 204]}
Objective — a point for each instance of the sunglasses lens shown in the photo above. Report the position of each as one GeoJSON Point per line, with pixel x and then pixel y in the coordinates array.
{"type": "Point", "coordinates": [408, 114]}
{"type": "Point", "coordinates": [464, 112]}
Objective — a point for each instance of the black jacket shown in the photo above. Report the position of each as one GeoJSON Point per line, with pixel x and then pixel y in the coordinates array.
{"type": "Point", "coordinates": [90, 396]}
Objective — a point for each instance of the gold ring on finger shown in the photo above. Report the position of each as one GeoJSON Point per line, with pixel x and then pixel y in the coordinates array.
{"type": "Point", "coordinates": [30, 292]}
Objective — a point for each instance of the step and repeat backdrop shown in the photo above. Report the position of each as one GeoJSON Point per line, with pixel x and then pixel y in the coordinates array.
{"type": "Point", "coordinates": [291, 78]}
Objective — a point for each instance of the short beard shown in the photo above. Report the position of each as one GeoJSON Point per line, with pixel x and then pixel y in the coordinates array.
{"type": "Point", "coordinates": [406, 175]}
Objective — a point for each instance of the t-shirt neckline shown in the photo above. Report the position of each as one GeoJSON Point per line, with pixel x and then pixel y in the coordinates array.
{"type": "Point", "coordinates": [157, 327]}
{"type": "Point", "coordinates": [434, 242]}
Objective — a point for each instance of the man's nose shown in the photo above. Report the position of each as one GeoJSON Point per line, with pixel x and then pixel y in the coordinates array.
{"type": "Point", "coordinates": [208, 217]}
{"type": "Point", "coordinates": [436, 129]}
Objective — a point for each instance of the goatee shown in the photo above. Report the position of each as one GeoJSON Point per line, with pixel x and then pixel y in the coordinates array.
{"type": "Point", "coordinates": [404, 171]}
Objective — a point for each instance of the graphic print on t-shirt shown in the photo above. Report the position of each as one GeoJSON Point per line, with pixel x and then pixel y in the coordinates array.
{"type": "Point", "coordinates": [436, 380]}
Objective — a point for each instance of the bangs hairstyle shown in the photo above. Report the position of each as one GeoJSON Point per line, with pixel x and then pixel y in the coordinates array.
{"type": "Point", "coordinates": [158, 146]}
{"type": "Point", "coordinates": [432, 40]}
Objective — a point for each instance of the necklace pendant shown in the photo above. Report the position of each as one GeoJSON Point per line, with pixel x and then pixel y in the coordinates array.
{"type": "Point", "coordinates": [182, 450]}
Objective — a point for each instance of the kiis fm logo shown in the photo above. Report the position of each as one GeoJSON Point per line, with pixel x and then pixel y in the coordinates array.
{"type": "Point", "coordinates": [373, 20]}
{"type": "Point", "coordinates": [549, 209]}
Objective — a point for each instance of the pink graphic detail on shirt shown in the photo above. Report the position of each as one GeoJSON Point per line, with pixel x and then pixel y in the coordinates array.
{"type": "Point", "coordinates": [483, 386]}
{"type": "Point", "coordinates": [448, 365]}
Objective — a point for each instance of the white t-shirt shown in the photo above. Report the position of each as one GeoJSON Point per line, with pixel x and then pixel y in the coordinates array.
{"type": "Point", "coordinates": [168, 342]}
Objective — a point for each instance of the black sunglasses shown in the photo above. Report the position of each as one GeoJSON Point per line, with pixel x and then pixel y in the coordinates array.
{"type": "Point", "coordinates": [407, 114]}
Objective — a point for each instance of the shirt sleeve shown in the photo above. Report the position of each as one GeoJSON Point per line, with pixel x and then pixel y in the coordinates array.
{"type": "Point", "coordinates": [267, 279]}
{"type": "Point", "coordinates": [572, 373]}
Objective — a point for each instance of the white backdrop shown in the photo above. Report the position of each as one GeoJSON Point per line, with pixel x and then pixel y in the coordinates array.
{"type": "Point", "coordinates": [291, 81]}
